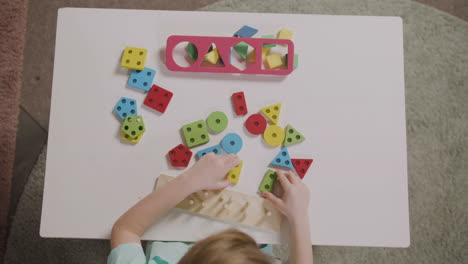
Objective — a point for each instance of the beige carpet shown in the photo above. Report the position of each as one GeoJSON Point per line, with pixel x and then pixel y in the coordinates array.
{"type": "Point", "coordinates": [436, 67]}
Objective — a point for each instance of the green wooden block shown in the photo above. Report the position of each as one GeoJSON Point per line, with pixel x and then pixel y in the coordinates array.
{"type": "Point", "coordinates": [269, 45]}
{"type": "Point", "coordinates": [195, 134]}
{"type": "Point", "coordinates": [241, 48]}
{"type": "Point", "coordinates": [133, 126]}
{"type": "Point", "coordinates": [217, 121]}
{"type": "Point", "coordinates": [296, 60]}
{"type": "Point", "coordinates": [192, 51]}
{"type": "Point", "coordinates": [292, 136]}
{"type": "Point", "coordinates": [268, 181]}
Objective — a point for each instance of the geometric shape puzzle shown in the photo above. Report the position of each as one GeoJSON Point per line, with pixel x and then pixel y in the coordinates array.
{"type": "Point", "coordinates": [285, 34]}
{"type": "Point", "coordinates": [272, 112]}
{"type": "Point", "coordinates": [133, 126]}
{"type": "Point", "coordinates": [134, 58]}
{"type": "Point", "coordinates": [215, 149]}
{"type": "Point", "coordinates": [195, 133]}
{"type": "Point", "coordinates": [301, 166]}
{"type": "Point", "coordinates": [180, 156]}
{"type": "Point", "coordinates": [283, 159]}
{"type": "Point", "coordinates": [245, 32]}
{"type": "Point", "coordinates": [296, 60]}
{"type": "Point", "coordinates": [274, 60]}
{"type": "Point", "coordinates": [234, 174]}
{"type": "Point", "coordinates": [273, 135]}
{"type": "Point", "coordinates": [132, 140]}
{"type": "Point", "coordinates": [158, 98]}
{"type": "Point", "coordinates": [231, 143]}
{"type": "Point", "coordinates": [238, 100]}
{"type": "Point", "coordinates": [268, 181]}
{"type": "Point", "coordinates": [125, 107]}
{"type": "Point", "coordinates": [251, 56]}
{"type": "Point", "coordinates": [269, 45]}
{"type": "Point", "coordinates": [217, 121]}
{"type": "Point", "coordinates": [292, 136]}
{"type": "Point", "coordinates": [256, 124]}
{"type": "Point", "coordinates": [141, 79]}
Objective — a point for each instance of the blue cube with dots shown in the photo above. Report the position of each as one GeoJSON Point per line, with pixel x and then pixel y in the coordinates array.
{"type": "Point", "coordinates": [125, 107]}
{"type": "Point", "coordinates": [231, 143]}
{"type": "Point", "coordinates": [215, 149]}
{"type": "Point", "coordinates": [283, 159]}
{"type": "Point", "coordinates": [142, 79]}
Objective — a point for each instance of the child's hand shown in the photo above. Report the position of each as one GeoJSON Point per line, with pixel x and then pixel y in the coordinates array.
{"type": "Point", "coordinates": [294, 203]}
{"type": "Point", "coordinates": [209, 173]}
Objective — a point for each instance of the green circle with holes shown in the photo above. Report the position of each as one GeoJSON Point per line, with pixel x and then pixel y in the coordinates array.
{"type": "Point", "coordinates": [217, 121]}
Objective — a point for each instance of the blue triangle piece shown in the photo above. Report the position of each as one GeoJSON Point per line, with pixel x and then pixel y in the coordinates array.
{"type": "Point", "coordinates": [283, 159]}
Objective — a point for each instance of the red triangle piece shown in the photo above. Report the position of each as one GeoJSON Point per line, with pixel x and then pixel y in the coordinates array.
{"type": "Point", "coordinates": [301, 166]}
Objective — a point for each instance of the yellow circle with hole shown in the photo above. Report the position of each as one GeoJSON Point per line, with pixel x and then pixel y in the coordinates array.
{"type": "Point", "coordinates": [273, 135]}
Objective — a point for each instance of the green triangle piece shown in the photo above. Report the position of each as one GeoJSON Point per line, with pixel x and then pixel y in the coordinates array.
{"type": "Point", "coordinates": [241, 48]}
{"type": "Point", "coordinates": [192, 51]}
{"type": "Point", "coordinates": [292, 136]}
{"type": "Point", "coordinates": [269, 45]}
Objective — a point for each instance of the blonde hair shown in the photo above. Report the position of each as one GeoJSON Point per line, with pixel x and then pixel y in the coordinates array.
{"type": "Point", "coordinates": [228, 247]}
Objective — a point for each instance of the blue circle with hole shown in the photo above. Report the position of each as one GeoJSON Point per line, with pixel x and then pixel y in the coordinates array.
{"type": "Point", "coordinates": [231, 143]}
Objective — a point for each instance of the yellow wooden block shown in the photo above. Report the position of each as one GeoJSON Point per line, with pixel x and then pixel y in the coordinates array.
{"type": "Point", "coordinates": [234, 174]}
{"type": "Point", "coordinates": [129, 139]}
{"type": "Point", "coordinates": [285, 34]}
{"type": "Point", "coordinates": [251, 56]}
{"type": "Point", "coordinates": [274, 60]}
{"type": "Point", "coordinates": [134, 58]}
{"type": "Point", "coordinates": [272, 112]}
{"type": "Point", "coordinates": [212, 56]}
{"type": "Point", "coordinates": [273, 135]}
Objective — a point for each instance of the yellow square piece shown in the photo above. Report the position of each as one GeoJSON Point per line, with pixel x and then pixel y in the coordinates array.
{"type": "Point", "coordinates": [285, 34]}
{"type": "Point", "coordinates": [134, 58]}
{"type": "Point", "coordinates": [129, 139]}
{"type": "Point", "coordinates": [212, 56]}
{"type": "Point", "coordinates": [251, 56]}
{"type": "Point", "coordinates": [274, 60]}
{"type": "Point", "coordinates": [234, 174]}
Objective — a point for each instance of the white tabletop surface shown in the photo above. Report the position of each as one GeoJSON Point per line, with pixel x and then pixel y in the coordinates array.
{"type": "Point", "coordinates": [346, 98]}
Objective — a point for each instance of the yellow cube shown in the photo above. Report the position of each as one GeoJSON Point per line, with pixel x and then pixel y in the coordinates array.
{"type": "Point", "coordinates": [212, 56]}
{"type": "Point", "coordinates": [252, 55]}
{"type": "Point", "coordinates": [129, 139]}
{"type": "Point", "coordinates": [234, 174]}
{"type": "Point", "coordinates": [134, 58]}
{"type": "Point", "coordinates": [285, 34]}
{"type": "Point", "coordinates": [274, 60]}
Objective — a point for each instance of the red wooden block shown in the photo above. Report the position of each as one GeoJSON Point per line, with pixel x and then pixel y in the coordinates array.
{"type": "Point", "coordinates": [179, 156]}
{"type": "Point", "coordinates": [301, 166]}
{"type": "Point", "coordinates": [256, 124]}
{"type": "Point", "coordinates": [238, 100]}
{"type": "Point", "coordinates": [158, 98]}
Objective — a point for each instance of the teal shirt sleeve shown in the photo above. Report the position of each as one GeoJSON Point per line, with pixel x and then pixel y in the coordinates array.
{"type": "Point", "coordinates": [131, 253]}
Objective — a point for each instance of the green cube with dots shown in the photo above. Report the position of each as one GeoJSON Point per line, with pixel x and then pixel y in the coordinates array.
{"type": "Point", "coordinates": [268, 181]}
{"type": "Point", "coordinates": [133, 126]}
{"type": "Point", "coordinates": [195, 134]}
{"type": "Point", "coordinates": [292, 136]}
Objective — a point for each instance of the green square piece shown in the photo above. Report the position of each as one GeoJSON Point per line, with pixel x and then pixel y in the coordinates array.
{"type": "Point", "coordinates": [133, 126]}
{"type": "Point", "coordinates": [242, 48]}
{"type": "Point", "coordinates": [268, 181]}
{"type": "Point", "coordinates": [296, 60]}
{"type": "Point", "coordinates": [269, 45]}
{"type": "Point", "coordinates": [195, 134]}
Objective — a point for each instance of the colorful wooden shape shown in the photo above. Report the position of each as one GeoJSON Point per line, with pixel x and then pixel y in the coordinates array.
{"type": "Point", "coordinates": [125, 107]}
{"type": "Point", "coordinates": [195, 134]}
{"type": "Point", "coordinates": [142, 79]}
{"type": "Point", "coordinates": [302, 166]}
{"type": "Point", "coordinates": [223, 46]}
{"type": "Point", "coordinates": [134, 58]}
{"type": "Point", "coordinates": [192, 51]}
{"type": "Point", "coordinates": [241, 48]}
{"type": "Point", "coordinates": [268, 181]}
{"type": "Point", "coordinates": [272, 112]}
{"type": "Point", "coordinates": [132, 140]}
{"type": "Point", "coordinates": [232, 143]}
{"type": "Point", "coordinates": [292, 136]}
{"type": "Point", "coordinates": [158, 98]}
{"type": "Point", "coordinates": [252, 55]}
{"type": "Point", "coordinates": [283, 159]}
{"type": "Point", "coordinates": [234, 174]}
{"type": "Point", "coordinates": [285, 34]}
{"type": "Point", "coordinates": [212, 56]}
{"type": "Point", "coordinates": [179, 156]}
{"type": "Point", "coordinates": [269, 37]}
{"type": "Point", "coordinates": [217, 122]}
{"type": "Point", "coordinates": [215, 149]}
{"type": "Point", "coordinates": [274, 61]}
{"type": "Point", "coordinates": [296, 60]}
{"type": "Point", "coordinates": [273, 135]}
{"type": "Point", "coordinates": [238, 101]}
{"type": "Point", "coordinates": [133, 126]}
{"type": "Point", "coordinates": [256, 124]}
{"type": "Point", "coordinates": [245, 32]}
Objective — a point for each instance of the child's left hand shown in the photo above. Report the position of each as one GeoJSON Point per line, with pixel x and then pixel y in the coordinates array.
{"type": "Point", "coordinates": [209, 173]}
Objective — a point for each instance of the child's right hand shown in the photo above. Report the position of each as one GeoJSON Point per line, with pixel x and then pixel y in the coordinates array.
{"type": "Point", "coordinates": [294, 203]}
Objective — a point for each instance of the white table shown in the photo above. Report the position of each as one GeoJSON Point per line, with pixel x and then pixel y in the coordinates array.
{"type": "Point", "coordinates": [346, 97]}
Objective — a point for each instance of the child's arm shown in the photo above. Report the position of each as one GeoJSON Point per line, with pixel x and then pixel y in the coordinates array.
{"type": "Point", "coordinates": [207, 174]}
{"type": "Point", "coordinates": [294, 204]}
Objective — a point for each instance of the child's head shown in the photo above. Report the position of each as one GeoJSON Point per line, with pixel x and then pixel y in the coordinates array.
{"type": "Point", "coordinates": [228, 247]}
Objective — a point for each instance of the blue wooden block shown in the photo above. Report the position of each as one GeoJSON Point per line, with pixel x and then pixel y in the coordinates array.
{"type": "Point", "coordinates": [283, 159]}
{"type": "Point", "coordinates": [215, 149]}
{"type": "Point", "coordinates": [125, 107]}
{"type": "Point", "coordinates": [142, 79]}
{"type": "Point", "coordinates": [231, 143]}
{"type": "Point", "coordinates": [245, 32]}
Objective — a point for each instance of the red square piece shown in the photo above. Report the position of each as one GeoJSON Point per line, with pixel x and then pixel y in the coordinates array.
{"type": "Point", "coordinates": [301, 166]}
{"type": "Point", "coordinates": [180, 156]}
{"type": "Point", "coordinates": [158, 98]}
{"type": "Point", "coordinates": [238, 100]}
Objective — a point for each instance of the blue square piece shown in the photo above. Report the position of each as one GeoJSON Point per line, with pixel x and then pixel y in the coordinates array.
{"type": "Point", "coordinates": [216, 149]}
{"type": "Point", "coordinates": [246, 32]}
{"type": "Point", "coordinates": [142, 79]}
{"type": "Point", "coordinates": [283, 159]}
{"type": "Point", "coordinates": [125, 107]}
